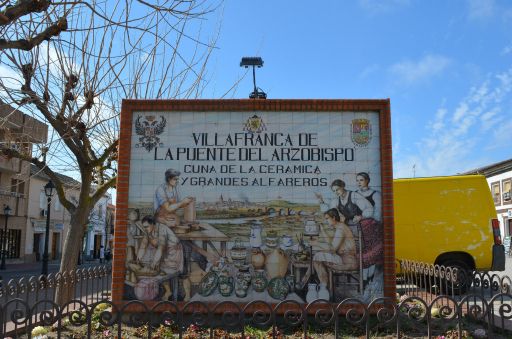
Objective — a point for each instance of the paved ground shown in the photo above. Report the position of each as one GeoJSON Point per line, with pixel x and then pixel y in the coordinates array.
{"type": "Point", "coordinates": [16, 271]}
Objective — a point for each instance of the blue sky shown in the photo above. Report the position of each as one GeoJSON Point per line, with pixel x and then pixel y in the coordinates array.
{"type": "Point", "coordinates": [445, 65]}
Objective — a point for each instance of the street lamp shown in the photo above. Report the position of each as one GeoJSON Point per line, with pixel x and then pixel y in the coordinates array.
{"type": "Point", "coordinates": [7, 212]}
{"type": "Point", "coordinates": [48, 191]}
{"type": "Point", "coordinates": [254, 62]}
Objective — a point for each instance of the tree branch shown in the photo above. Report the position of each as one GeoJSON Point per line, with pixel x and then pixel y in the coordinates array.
{"type": "Point", "coordinates": [21, 8]}
{"type": "Point", "coordinates": [101, 190]}
{"type": "Point", "coordinates": [27, 45]}
{"type": "Point", "coordinates": [59, 186]}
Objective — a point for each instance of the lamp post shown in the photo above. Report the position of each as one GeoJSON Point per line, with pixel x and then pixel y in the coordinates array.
{"type": "Point", "coordinates": [48, 191]}
{"type": "Point", "coordinates": [7, 212]}
{"type": "Point", "coordinates": [254, 62]}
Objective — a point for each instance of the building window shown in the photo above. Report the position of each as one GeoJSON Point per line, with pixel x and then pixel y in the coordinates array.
{"type": "Point", "coordinates": [57, 204]}
{"type": "Point", "coordinates": [18, 188]}
{"type": "Point", "coordinates": [496, 194]}
{"type": "Point", "coordinates": [42, 200]}
{"type": "Point", "coordinates": [507, 190]}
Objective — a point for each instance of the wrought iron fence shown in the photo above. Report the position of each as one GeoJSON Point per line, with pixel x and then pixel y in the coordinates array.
{"type": "Point", "coordinates": [410, 317]}
{"type": "Point", "coordinates": [427, 305]}
{"type": "Point", "coordinates": [91, 284]}
{"type": "Point", "coordinates": [429, 281]}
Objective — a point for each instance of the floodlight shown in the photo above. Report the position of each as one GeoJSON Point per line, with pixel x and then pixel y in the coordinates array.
{"type": "Point", "coordinates": [254, 62]}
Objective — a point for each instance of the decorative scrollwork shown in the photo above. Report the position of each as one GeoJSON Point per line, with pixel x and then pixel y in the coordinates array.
{"type": "Point", "coordinates": [414, 307]}
{"type": "Point", "coordinates": [51, 282]}
{"type": "Point", "coordinates": [258, 313]}
{"type": "Point", "coordinates": [356, 311]}
{"type": "Point", "coordinates": [21, 314]}
{"type": "Point", "coordinates": [476, 305]}
{"type": "Point", "coordinates": [387, 310]}
{"type": "Point", "coordinates": [22, 286]}
{"type": "Point", "coordinates": [107, 312]}
{"type": "Point", "coordinates": [32, 284]}
{"type": "Point", "coordinates": [324, 316]}
{"type": "Point", "coordinates": [167, 312]}
{"type": "Point", "coordinates": [2, 289]}
{"type": "Point", "coordinates": [200, 314]}
{"type": "Point", "coordinates": [448, 307]}
{"type": "Point", "coordinates": [12, 287]}
{"type": "Point", "coordinates": [232, 315]}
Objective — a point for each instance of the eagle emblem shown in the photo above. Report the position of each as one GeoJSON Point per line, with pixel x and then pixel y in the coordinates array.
{"type": "Point", "coordinates": [255, 124]}
{"type": "Point", "coordinates": [361, 132]}
{"type": "Point", "coordinates": [149, 129]}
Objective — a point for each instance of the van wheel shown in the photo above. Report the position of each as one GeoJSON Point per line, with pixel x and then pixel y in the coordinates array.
{"type": "Point", "coordinates": [464, 277]}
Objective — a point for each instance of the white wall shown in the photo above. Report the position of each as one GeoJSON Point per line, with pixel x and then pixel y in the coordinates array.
{"type": "Point", "coordinates": [503, 208]}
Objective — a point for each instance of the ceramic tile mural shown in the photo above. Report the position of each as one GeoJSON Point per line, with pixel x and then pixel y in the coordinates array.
{"type": "Point", "coordinates": [243, 206]}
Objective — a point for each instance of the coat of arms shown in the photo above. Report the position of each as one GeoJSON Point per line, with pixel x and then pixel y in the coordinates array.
{"type": "Point", "coordinates": [255, 124]}
{"type": "Point", "coordinates": [149, 129]}
{"type": "Point", "coordinates": [361, 132]}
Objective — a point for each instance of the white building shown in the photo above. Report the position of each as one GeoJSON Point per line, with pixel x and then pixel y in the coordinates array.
{"type": "Point", "coordinates": [499, 177]}
{"type": "Point", "coordinates": [18, 131]}
{"type": "Point", "coordinates": [97, 228]}
{"type": "Point", "coordinates": [37, 216]}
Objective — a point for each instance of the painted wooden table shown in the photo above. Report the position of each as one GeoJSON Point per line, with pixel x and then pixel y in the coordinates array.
{"type": "Point", "coordinates": [207, 235]}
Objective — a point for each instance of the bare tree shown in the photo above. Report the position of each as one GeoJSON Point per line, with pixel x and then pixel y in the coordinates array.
{"type": "Point", "coordinates": [70, 64]}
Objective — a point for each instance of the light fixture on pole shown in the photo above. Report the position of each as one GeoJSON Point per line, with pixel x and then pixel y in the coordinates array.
{"type": "Point", "coordinates": [254, 62]}
{"type": "Point", "coordinates": [7, 212]}
{"type": "Point", "coordinates": [48, 191]}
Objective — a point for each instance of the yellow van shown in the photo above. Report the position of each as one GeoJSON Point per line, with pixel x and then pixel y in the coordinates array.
{"type": "Point", "coordinates": [449, 221]}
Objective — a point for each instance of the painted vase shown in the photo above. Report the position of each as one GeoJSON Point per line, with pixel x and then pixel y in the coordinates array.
{"type": "Point", "coordinates": [312, 294]}
{"type": "Point", "coordinates": [257, 258]}
{"type": "Point", "coordinates": [226, 286]}
{"type": "Point", "coordinates": [323, 293]}
{"type": "Point", "coordinates": [259, 281]}
{"type": "Point", "coordinates": [276, 264]}
{"type": "Point", "coordinates": [238, 251]}
{"type": "Point", "coordinates": [244, 274]}
{"type": "Point", "coordinates": [255, 237]}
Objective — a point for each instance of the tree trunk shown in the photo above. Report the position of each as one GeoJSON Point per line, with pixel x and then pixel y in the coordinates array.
{"type": "Point", "coordinates": [68, 264]}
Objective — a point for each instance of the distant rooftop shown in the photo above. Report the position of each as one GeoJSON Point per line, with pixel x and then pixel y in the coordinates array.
{"type": "Point", "coordinates": [68, 181]}
{"type": "Point", "coordinates": [493, 169]}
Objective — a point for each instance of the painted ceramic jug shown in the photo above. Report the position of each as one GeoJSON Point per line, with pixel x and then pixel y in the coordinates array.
{"type": "Point", "coordinates": [226, 286]}
{"type": "Point", "coordinates": [257, 258]}
{"type": "Point", "coordinates": [312, 294]}
{"type": "Point", "coordinates": [244, 274]}
{"type": "Point", "coordinates": [259, 281]}
{"type": "Point", "coordinates": [323, 293]}
{"type": "Point", "coordinates": [255, 237]}
{"type": "Point", "coordinates": [276, 263]}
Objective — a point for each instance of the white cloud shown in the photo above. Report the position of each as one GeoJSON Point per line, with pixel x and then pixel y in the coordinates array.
{"type": "Point", "coordinates": [368, 71]}
{"type": "Point", "coordinates": [501, 135]}
{"type": "Point", "coordinates": [382, 6]}
{"type": "Point", "coordinates": [506, 50]}
{"type": "Point", "coordinates": [410, 72]}
{"type": "Point", "coordinates": [481, 9]}
{"type": "Point", "coordinates": [456, 139]}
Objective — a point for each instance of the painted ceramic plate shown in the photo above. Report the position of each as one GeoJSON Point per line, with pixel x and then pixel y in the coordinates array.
{"type": "Point", "coordinates": [208, 284]}
{"type": "Point", "coordinates": [278, 288]}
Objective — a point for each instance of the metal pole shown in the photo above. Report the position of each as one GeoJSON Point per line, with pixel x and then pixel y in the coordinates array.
{"type": "Point", "coordinates": [254, 81]}
{"type": "Point", "coordinates": [4, 243]}
{"type": "Point", "coordinates": [46, 239]}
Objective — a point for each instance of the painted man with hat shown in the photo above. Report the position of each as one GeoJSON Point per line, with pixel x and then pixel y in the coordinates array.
{"type": "Point", "coordinates": [167, 199]}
